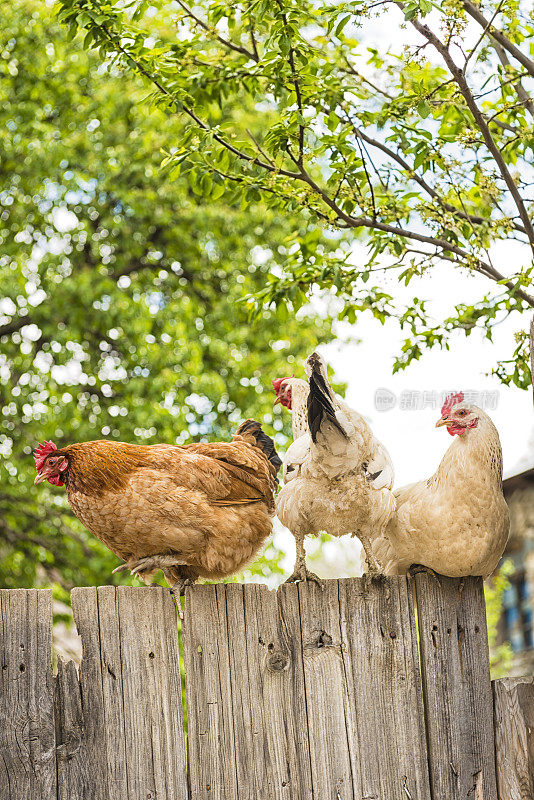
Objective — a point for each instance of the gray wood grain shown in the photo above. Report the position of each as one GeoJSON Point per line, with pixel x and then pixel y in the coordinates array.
{"type": "Point", "coordinates": [457, 688]}
{"type": "Point", "coordinates": [514, 737]}
{"type": "Point", "coordinates": [278, 692]}
{"type": "Point", "coordinates": [247, 731]}
{"type": "Point", "coordinates": [210, 734]}
{"type": "Point", "coordinates": [133, 744]}
{"type": "Point", "coordinates": [27, 733]}
{"type": "Point", "coordinates": [300, 694]}
{"type": "Point", "coordinates": [73, 773]}
{"type": "Point", "coordinates": [384, 689]}
{"type": "Point", "coordinates": [318, 692]}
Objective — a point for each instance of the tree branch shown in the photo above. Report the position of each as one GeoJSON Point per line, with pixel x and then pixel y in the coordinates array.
{"type": "Point", "coordinates": [484, 32]}
{"type": "Point", "coordinates": [523, 95]}
{"type": "Point", "coordinates": [15, 325]}
{"type": "Point", "coordinates": [179, 106]}
{"type": "Point", "coordinates": [474, 219]}
{"type": "Point", "coordinates": [499, 36]}
{"type": "Point", "coordinates": [459, 76]}
{"type": "Point", "coordinates": [226, 42]}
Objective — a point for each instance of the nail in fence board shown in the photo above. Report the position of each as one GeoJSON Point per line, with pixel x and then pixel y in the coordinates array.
{"type": "Point", "coordinates": [304, 694]}
{"type": "Point", "coordinates": [456, 687]}
{"type": "Point", "coordinates": [27, 737]}
{"type": "Point", "coordinates": [128, 721]}
{"type": "Point", "coordinates": [514, 737]}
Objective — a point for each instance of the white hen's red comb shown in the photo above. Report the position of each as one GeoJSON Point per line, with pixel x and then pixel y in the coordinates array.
{"type": "Point", "coordinates": [450, 401]}
{"type": "Point", "coordinates": [41, 452]}
{"type": "Point", "coordinates": [278, 382]}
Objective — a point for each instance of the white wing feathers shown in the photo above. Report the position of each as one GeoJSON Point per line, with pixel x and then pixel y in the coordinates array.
{"type": "Point", "coordinates": [379, 468]}
{"type": "Point", "coordinates": [295, 456]}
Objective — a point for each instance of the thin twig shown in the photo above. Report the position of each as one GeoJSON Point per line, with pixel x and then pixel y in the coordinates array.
{"type": "Point", "coordinates": [459, 76]}
{"type": "Point", "coordinates": [519, 88]}
{"type": "Point", "coordinates": [368, 178]}
{"type": "Point", "coordinates": [474, 12]}
{"type": "Point", "coordinates": [226, 42]}
{"type": "Point", "coordinates": [484, 32]}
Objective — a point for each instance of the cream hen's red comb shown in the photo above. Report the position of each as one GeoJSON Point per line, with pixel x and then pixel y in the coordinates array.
{"type": "Point", "coordinates": [450, 401]}
{"type": "Point", "coordinates": [41, 452]}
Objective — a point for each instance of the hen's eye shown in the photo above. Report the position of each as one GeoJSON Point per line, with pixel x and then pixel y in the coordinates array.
{"type": "Point", "coordinates": [462, 413]}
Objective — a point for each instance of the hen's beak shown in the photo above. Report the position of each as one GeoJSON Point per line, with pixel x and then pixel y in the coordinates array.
{"type": "Point", "coordinates": [39, 478]}
{"type": "Point", "coordinates": [277, 400]}
{"type": "Point", "coordinates": [443, 421]}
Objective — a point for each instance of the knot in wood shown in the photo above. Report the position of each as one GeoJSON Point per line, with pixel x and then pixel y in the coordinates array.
{"type": "Point", "coordinates": [277, 661]}
{"type": "Point", "coordinates": [323, 640]}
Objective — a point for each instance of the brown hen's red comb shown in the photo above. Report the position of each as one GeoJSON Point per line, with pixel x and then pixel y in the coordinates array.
{"type": "Point", "coordinates": [41, 452]}
{"type": "Point", "coordinates": [450, 402]}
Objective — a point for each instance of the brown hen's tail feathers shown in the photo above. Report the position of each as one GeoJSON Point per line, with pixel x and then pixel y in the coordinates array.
{"type": "Point", "coordinates": [252, 428]}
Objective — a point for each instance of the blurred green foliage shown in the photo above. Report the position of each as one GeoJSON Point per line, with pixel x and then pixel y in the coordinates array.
{"type": "Point", "coordinates": [120, 311]}
{"type": "Point", "coordinates": [501, 655]}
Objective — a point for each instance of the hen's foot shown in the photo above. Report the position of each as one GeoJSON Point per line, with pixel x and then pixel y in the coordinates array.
{"type": "Point", "coordinates": [302, 573]}
{"type": "Point", "coordinates": [420, 568]}
{"type": "Point", "coordinates": [373, 571]}
{"type": "Point", "coordinates": [148, 564]}
{"type": "Point", "coordinates": [177, 590]}
{"type": "Point", "coordinates": [179, 586]}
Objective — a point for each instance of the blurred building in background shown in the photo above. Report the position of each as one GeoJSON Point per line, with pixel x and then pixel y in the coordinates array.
{"type": "Point", "coordinates": [517, 621]}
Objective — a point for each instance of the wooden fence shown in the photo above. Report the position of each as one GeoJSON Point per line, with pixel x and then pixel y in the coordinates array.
{"type": "Point", "coordinates": [300, 694]}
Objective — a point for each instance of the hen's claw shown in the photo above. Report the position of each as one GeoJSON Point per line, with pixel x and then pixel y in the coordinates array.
{"type": "Point", "coordinates": [148, 564]}
{"type": "Point", "coordinates": [420, 568]}
{"type": "Point", "coordinates": [304, 574]}
{"type": "Point", "coordinates": [177, 590]}
{"type": "Point", "coordinates": [373, 571]}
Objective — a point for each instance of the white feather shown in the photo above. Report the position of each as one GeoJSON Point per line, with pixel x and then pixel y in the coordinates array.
{"type": "Point", "coordinates": [327, 482]}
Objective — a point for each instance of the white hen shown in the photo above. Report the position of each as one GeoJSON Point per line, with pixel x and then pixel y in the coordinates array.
{"type": "Point", "coordinates": [338, 476]}
{"type": "Point", "coordinates": [457, 521]}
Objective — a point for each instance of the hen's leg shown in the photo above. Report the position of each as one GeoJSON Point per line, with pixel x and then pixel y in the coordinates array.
{"type": "Point", "coordinates": [300, 571]}
{"type": "Point", "coordinates": [178, 579]}
{"type": "Point", "coordinates": [372, 564]}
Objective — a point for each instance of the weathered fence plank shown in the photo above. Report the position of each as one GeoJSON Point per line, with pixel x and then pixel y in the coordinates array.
{"type": "Point", "coordinates": [457, 688]}
{"type": "Point", "coordinates": [514, 737]}
{"type": "Point", "coordinates": [318, 693]}
{"type": "Point", "coordinates": [384, 688]}
{"type": "Point", "coordinates": [27, 735]}
{"type": "Point", "coordinates": [74, 771]}
{"type": "Point", "coordinates": [130, 695]}
{"type": "Point", "coordinates": [244, 700]}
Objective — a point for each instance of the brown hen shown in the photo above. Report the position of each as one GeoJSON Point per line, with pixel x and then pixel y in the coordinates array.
{"type": "Point", "coordinates": [199, 510]}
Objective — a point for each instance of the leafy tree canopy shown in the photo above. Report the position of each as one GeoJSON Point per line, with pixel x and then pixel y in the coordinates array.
{"type": "Point", "coordinates": [120, 313]}
{"type": "Point", "coordinates": [423, 152]}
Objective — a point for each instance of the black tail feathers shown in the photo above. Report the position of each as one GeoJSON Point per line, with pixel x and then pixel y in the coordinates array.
{"type": "Point", "coordinates": [320, 406]}
{"type": "Point", "coordinates": [264, 442]}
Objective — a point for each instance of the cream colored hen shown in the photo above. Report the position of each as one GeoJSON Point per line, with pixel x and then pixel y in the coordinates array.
{"type": "Point", "coordinates": [457, 521]}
